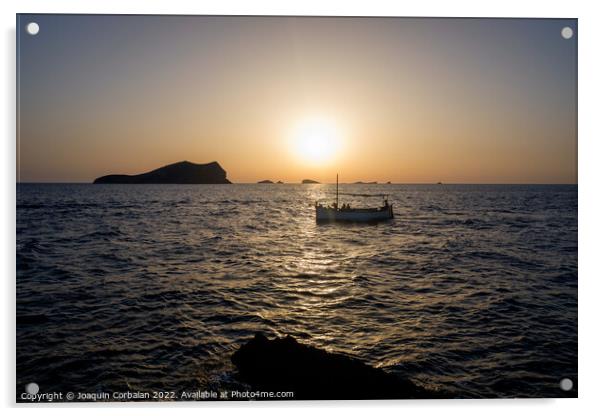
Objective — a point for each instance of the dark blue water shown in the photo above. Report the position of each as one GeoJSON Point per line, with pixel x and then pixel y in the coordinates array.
{"type": "Point", "coordinates": [471, 289]}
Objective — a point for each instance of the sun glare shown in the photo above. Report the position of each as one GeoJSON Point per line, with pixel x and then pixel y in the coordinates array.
{"type": "Point", "coordinates": [316, 141]}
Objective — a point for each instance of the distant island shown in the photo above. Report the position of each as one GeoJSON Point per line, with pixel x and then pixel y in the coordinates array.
{"type": "Point", "coordinates": [265, 181]}
{"type": "Point", "coordinates": [309, 181]}
{"type": "Point", "coordinates": [365, 183]}
{"type": "Point", "coordinates": [178, 173]}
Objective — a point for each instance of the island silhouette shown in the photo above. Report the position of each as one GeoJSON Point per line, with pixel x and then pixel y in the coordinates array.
{"type": "Point", "coordinates": [184, 172]}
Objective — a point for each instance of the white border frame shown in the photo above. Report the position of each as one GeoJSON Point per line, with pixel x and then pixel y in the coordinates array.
{"type": "Point", "coordinates": [590, 137]}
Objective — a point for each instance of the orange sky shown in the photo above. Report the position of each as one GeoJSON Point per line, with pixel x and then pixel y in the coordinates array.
{"type": "Point", "coordinates": [409, 100]}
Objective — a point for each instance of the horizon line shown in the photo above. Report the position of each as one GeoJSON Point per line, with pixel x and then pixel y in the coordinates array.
{"type": "Point", "coordinates": [299, 183]}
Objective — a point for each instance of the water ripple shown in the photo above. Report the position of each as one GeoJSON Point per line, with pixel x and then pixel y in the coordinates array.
{"type": "Point", "coordinates": [471, 289]}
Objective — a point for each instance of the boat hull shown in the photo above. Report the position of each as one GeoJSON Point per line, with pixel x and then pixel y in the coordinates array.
{"type": "Point", "coordinates": [328, 214]}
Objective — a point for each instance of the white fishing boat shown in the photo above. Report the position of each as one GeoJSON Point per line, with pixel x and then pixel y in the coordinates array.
{"type": "Point", "coordinates": [335, 213]}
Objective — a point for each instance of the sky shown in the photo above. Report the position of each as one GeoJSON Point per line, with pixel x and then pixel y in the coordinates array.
{"type": "Point", "coordinates": [406, 100]}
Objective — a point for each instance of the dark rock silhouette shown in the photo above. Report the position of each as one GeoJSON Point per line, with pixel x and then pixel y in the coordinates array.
{"type": "Point", "coordinates": [265, 181]}
{"type": "Point", "coordinates": [309, 181]}
{"type": "Point", "coordinates": [365, 183]}
{"type": "Point", "coordinates": [280, 182]}
{"type": "Point", "coordinates": [182, 173]}
{"type": "Point", "coordinates": [283, 364]}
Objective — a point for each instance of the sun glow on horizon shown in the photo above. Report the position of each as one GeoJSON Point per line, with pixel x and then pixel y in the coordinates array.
{"type": "Point", "coordinates": [316, 141]}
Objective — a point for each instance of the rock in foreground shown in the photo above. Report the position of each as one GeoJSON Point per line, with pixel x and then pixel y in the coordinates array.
{"type": "Point", "coordinates": [178, 173]}
{"type": "Point", "coordinates": [283, 364]}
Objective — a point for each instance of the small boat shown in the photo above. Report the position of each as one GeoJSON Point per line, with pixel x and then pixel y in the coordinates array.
{"type": "Point", "coordinates": [344, 213]}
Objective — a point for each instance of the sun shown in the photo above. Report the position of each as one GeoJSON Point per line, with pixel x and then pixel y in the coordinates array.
{"type": "Point", "coordinates": [316, 141]}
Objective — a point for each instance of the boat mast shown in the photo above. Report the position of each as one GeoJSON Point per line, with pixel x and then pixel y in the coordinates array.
{"type": "Point", "coordinates": [337, 190]}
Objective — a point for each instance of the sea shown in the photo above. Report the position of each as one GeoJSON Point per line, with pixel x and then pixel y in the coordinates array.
{"type": "Point", "coordinates": [470, 290]}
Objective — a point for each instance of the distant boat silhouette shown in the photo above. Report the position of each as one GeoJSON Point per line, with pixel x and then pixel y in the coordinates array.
{"type": "Point", "coordinates": [345, 213]}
